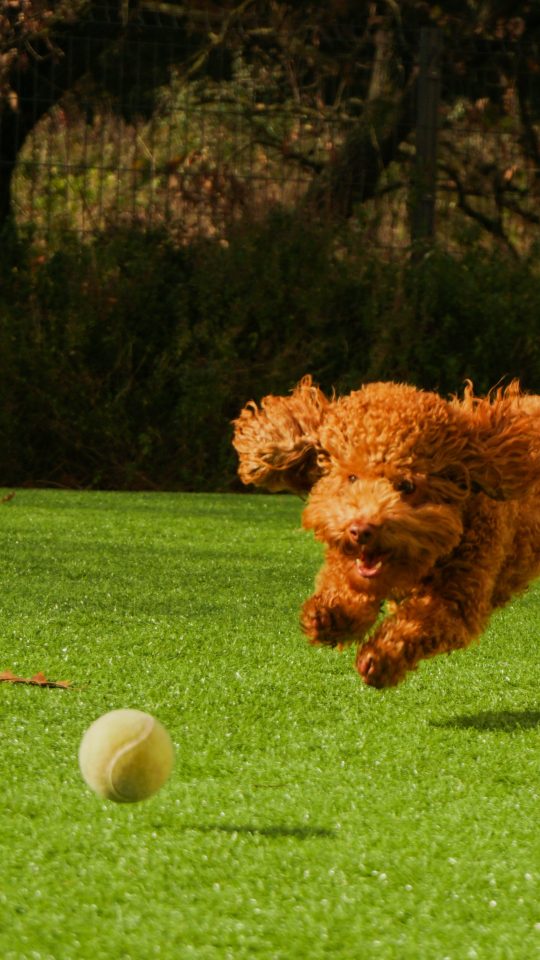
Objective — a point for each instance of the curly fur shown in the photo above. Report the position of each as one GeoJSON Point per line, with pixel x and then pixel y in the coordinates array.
{"type": "Point", "coordinates": [278, 442]}
{"type": "Point", "coordinates": [432, 506]}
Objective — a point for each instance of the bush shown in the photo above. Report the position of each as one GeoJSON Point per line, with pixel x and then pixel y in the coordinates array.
{"type": "Point", "coordinates": [471, 316]}
{"type": "Point", "coordinates": [123, 360]}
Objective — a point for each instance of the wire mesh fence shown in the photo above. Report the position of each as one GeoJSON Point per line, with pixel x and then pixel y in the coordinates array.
{"type": "Point", "coordinates": [197, 156]}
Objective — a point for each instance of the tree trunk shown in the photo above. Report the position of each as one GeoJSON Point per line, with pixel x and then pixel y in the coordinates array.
{"type": "Point", "coordinates": [373, 142]}
{"type": "Point", "coordinates": [41, 75]}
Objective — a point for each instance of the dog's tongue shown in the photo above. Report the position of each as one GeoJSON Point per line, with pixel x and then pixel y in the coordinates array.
{"type": "Point", "coordinates": [368, 566]}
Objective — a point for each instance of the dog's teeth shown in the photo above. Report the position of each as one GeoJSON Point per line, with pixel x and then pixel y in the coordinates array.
{"type": "Point", "coordinates": [366, 568]}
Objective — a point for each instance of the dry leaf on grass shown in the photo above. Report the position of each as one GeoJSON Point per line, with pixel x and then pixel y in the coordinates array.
{"type": "Point", "coordinates": [38, 680]}
{"type": "Point", "coordinates": [7, 497]}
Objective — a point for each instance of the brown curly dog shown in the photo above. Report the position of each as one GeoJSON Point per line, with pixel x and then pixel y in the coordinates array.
{"type": "Point", "coordinates": [433, 506]}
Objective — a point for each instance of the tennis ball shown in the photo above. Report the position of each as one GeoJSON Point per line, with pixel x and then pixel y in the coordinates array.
{"type": "Point", "coordinates": [126, 755]}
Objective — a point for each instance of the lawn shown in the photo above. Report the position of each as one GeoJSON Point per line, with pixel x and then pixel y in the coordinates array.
{"type": "Point", "coordinates": [307, 815]}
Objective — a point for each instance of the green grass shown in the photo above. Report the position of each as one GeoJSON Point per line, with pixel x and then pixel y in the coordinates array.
{"type": "Point", "coordinates": [307, 816]}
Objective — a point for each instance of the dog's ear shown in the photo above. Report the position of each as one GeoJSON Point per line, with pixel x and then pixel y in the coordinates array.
{"type": "Point", "coordinates": [503, 454]}
{"type": "Point", "coordinates": [278, 442]}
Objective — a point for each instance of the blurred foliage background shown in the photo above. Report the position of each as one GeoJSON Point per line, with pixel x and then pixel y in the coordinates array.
{"type": "Point", "coordinates": [201, 202]}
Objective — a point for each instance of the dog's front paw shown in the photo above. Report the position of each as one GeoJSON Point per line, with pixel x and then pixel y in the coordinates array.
{"type": "Point", "coordinates": [378, 668]}
{"type": "Point", "coordinates": [325, 623]}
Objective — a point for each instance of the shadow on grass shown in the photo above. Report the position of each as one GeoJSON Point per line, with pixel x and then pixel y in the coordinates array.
{"type": "Point", "coordinates": [301, 833]}
{"type": "Point", "coordinates": [503, 720]}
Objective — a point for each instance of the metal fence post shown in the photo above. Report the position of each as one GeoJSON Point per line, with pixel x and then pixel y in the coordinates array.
{"type": "Point", "coordinates": [424, 186]}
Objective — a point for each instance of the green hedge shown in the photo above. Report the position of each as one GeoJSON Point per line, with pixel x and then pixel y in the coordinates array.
{"type": "Point", "coordinates": [122, 361]}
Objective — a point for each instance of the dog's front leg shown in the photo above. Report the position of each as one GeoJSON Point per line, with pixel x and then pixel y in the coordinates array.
{"type": "Point", "coordinates": [337, 613]}
{"type": "Point", "coordinates": [422, 627]}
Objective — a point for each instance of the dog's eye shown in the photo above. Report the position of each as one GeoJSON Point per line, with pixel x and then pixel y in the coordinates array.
{"type": "Point", "coordinates": [352, 478]}
{"type": "Point", "coordinates": [405, 486]}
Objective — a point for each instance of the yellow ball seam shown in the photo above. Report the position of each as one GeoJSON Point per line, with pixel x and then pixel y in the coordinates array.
{"type": "Point", "coordinates": [145, 733]}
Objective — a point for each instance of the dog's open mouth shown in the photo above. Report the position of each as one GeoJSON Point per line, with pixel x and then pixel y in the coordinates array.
{"type": "Point", "coordinates": [369, 564]}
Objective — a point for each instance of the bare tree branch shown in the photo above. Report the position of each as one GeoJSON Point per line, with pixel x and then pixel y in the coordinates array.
{"type": "Point", "coordinates": [492, 225]}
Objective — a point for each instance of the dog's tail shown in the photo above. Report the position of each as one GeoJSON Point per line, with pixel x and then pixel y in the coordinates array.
{"type": "Point", "coordinates": [503, 454]}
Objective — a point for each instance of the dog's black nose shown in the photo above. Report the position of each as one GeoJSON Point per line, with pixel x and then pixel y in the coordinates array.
{"type": "Point", "coordinates": [361, 533]}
